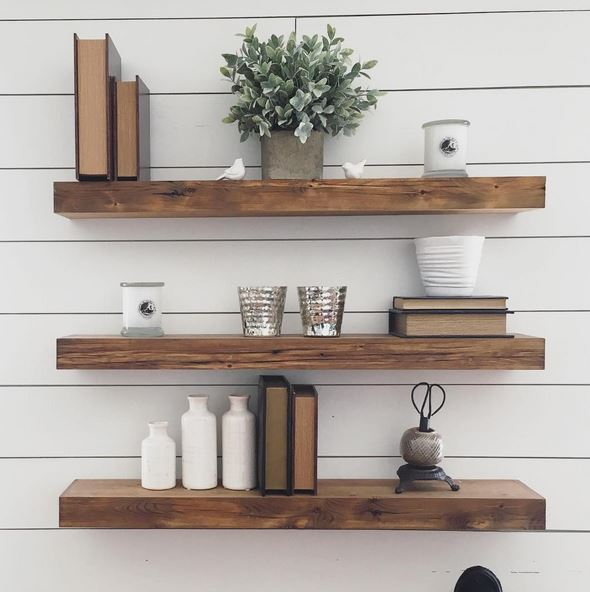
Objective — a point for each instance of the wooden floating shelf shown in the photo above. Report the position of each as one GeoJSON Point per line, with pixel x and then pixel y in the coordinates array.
{"type": "Point", "coordinates": [339, 505]}
{"type": "Point", "coordinates": [295, 352]}
{"type": "Point", "coordinates": [330, 197]}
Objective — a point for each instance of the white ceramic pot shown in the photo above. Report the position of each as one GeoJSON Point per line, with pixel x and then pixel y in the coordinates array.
{"type": "Point", "coordinates": [142, 309]}
{"type": "Point", "coordinates": [445, 148]}
{"type": "Point", "coordinates": [238, 437]}
{"type": "Point", "coordinates": [199, 445]}
{"type": "Point", "coordinates": [449, 264]}
{"type": "Point", "coordinates": [158, 458]}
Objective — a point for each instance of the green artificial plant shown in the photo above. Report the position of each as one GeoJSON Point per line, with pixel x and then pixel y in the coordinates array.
{"type": "Point", "coordinates": [299, 86]}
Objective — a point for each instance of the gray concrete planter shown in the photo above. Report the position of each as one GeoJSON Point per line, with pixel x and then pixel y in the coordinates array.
{"type": "Point", "coordinates": [285, 157]}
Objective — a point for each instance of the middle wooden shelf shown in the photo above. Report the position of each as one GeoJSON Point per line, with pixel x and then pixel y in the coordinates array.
{"type": "Point", "coordinates": [295, 352]}
{"type": "Point", "coordinates": [353, 504]}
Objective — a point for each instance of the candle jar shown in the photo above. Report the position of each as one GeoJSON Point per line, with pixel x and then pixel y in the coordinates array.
{"type": "Point", "coordinates": [445, 148]}
{"type": "Point", "coordinates": [142, 309]}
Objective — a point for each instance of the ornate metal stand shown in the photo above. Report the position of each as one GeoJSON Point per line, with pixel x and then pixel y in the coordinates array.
{"type": "Point", "coordinates": [409, 473]}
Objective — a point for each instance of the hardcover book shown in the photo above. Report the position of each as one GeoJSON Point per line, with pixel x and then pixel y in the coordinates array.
{"type": "Point", "coordinates": [304, 439]}
{"type": "Point", "coordinates": [97, 66]}
{"type": "Point", "coordinates": [132, 130]}
{"type": "Point", "coordinates": [274, 438]}
{"type": "Point", "coordinates": [445, 303]}
{"type": "Point", "coordinates": [448, 323]}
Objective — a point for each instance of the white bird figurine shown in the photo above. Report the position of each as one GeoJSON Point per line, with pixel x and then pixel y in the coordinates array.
{"type": "Point", "coordinates": [236, 172]}
{"type": "Point", "coordinates": [354, 171]}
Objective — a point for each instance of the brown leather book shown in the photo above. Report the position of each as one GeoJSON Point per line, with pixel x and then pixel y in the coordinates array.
{"type": "Point", "coordinates": [444, 303]}
{"type": "Point", "coordinates": [132, 130]}
{"type": "Point", "coordinates": [448, 323]}
{"type": "Point", "coordinates": [97, 65]}
{"type": "Point", "coordinates": [274, 458]}
{"type": "Point", "coordinates": [304, 439]}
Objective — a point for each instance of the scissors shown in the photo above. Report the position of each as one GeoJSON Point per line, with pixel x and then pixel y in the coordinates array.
{"type": "Point", "coordinates": [425, 417]}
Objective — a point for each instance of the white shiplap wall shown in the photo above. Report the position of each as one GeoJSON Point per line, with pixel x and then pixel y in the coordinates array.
{"type": "Point", "coordinates": [517, 70]}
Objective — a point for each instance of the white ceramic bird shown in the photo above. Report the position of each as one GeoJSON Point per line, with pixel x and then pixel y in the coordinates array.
{"type": "Point", "coordinates": [354, 171]}
{"type": "Point", "coordinates": [236, 171]}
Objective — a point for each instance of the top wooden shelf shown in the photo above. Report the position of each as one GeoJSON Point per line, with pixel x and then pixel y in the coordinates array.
{"type": "Point", "coordinates": [330, 197]}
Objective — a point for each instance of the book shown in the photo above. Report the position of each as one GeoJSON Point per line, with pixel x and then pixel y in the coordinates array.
{"type": "Point", "coordinates": [448, 323]}
{"type": "Point", "coordinates": [304, 439]}
{"type": "Point", "coordinates": [97, 65]}
{"type": "Point", "coordinates": [274, 418]}
{"type": "Point", "coordinates": [445, 303]}
{"type": "Point", "coordinates": [132, 130]}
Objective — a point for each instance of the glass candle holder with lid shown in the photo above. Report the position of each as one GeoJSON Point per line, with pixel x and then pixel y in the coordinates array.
{"type": "Point", "coordinates": [142, 309]}
{"type": "Point", "coordinates": [445, 148]}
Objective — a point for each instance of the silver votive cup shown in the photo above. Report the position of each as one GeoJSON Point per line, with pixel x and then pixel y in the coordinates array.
{"type": "Point", "coordinates": [262, 310]}
{"type": "Point", "coordinates": [321, 310]}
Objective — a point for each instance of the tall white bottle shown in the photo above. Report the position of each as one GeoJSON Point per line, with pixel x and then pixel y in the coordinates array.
{"type": "Point", "coordinates": [158, 458]}
{"type": "Point", "coordinates": [199, 445]}
{"type": "Point", "coordinates": [238, 437]}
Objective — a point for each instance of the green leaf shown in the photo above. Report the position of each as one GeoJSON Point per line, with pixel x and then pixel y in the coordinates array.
{"type": "Point", "coordinates": [370, 64]}
{"type": "Point", "coordinates": [331, 31]}
{"type": "Point", "coordinates": [229, 119]}
{"type": "Point", "coordinates": [303, 131]}
{"type": "Point", "coordinates": [230, 58]}
{"type": "Point", "coordinates": [244, 136]}
{"type": "Point", "coordinates": [225, 72]}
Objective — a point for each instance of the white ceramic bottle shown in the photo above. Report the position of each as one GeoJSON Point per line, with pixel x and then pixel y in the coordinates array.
{"type": "Point", "coordinates": [199, 445]}
{"type": "Point", "coordinates": [158, 458]}
{"type": "Point", "coordinates": [238, 437]}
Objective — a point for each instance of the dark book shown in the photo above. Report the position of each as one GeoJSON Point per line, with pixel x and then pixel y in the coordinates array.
{"type": "Point", "coordinates": [448, 323]}
{"type": "Point", "coordinates": [304, 439]}
{"type": "Point", "coordinates": [274, 446]}
{"type": "Point", "coordinates": [132, 130]}
{"type": "Point", "coordinates": [445, 303]}
{"type": "Point", "coordinates": [97, 66]}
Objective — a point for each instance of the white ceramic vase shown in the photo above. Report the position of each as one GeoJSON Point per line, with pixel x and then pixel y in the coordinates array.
{"type": "Point", "coordinates": [449, 264]}
{"type": "Point", "coordinates": [158, 458]}
{"type": "Point", "coordinates": [199, 445]}
{"type": "Point", "coordinates": [238, 437]}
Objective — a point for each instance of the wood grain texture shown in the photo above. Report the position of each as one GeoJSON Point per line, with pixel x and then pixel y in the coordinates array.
{"type": "Point", "coordinates": [331, 197]}
{"type": "Point", "coordinates": [339, 505]}
{"type": "Point", "coordinates": [352, 352]}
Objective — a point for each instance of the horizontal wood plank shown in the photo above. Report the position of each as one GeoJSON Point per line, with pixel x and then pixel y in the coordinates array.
{"type": "Point", "coordinates": [183, 199]}
{"type": "Point", "coordinates": [36, 335]}
{"type": "Point", "coordinates": [352, 352]}
{"type": "Point", "coordinates": [33, 485]}
{"type": "Point", "coordinates": [340, 505]}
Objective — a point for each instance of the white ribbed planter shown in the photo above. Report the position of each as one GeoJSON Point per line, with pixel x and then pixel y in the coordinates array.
{"type": "Point", "coordinates": [449, 264]}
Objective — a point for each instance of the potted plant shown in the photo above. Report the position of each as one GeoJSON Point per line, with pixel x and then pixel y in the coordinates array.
{"type": "Point", "coordinates": [290, 94]}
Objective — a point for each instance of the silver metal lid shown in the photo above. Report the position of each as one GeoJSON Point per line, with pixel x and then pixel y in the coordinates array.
{"type": "Point", "coordinates": [141, 284]}
{"type": "Point", "coordinates": [442, 121]}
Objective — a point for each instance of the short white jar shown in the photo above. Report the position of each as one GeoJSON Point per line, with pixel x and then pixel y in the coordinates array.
{"type": "Point", "coordinates": [445, 148]}
{"type": "Point", "coordinates": [142, 309]}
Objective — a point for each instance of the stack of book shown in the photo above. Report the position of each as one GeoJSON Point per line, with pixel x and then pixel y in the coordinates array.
{"type": "Point", "coordinates": [474, 316]}
{"type": "Point", "coordinates": [287, 437]}
{"type": "Point", "coordinates": [112, 116]}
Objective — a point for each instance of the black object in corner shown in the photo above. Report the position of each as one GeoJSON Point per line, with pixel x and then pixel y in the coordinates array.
{"type": "Point", "coordinates": [478, 579]}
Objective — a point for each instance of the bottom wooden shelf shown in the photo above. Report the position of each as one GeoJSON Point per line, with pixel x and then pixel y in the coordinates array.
{"type": "Point", "coordinates": [340, 504]}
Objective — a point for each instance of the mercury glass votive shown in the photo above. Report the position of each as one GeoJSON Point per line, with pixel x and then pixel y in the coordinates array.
{"type": "Point", "coordinates": [445, 148]}
{"type": "Point", "coordinates": [262, 310]}
{"type": "Point", "coordinates": [322, 309]}
{"type": "Point", "coordinates": [142, 309]}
